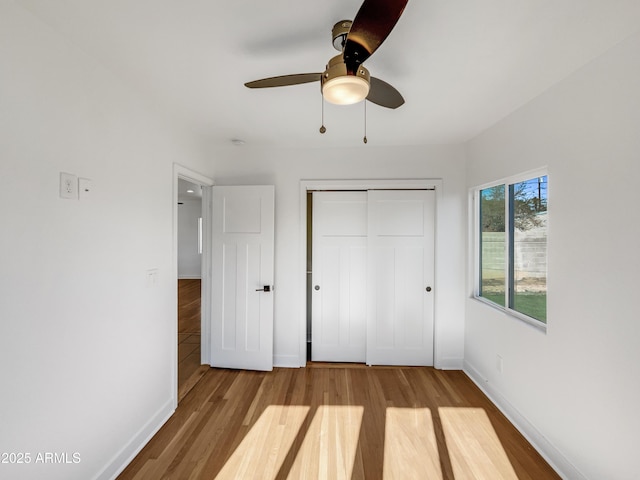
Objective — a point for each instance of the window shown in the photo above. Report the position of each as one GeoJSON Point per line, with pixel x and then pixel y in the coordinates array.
{"type": "Point", "coordinates": [512, 246]}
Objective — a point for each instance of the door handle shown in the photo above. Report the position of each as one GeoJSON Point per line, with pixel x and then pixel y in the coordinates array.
{"type": "Point", "coordinates": [266, 288]}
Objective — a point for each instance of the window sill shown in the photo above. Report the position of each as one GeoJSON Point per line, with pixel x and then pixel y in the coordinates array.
{"type": "Point", "coordinates": [537, 324]}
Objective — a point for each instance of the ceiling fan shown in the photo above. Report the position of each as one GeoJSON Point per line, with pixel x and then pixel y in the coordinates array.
{"type": "Point", "coordinates": [345, 80]}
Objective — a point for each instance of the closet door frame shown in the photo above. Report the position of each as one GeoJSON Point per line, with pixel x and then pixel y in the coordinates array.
{"type": "Point", "coordinates": [340, 185]}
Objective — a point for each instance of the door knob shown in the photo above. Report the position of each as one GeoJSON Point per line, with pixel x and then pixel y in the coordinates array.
{"type": "Point", "coordinates": [266, 288]}
{"type": "Point", "coordinates": [317, 287]}
{"type": "Point", "coordinates": [428, 289]}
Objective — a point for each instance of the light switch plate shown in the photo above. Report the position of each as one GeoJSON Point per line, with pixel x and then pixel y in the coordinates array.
{"type": "Point", "coordinates": [152, 277]}
{"type": "Point", "coordinates": [84, 188]}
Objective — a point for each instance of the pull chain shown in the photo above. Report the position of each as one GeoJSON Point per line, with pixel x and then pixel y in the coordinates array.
{"type": "Point", "coordinates": [322, 129]}
{"type": "Point", "coordinates": [365, 122]}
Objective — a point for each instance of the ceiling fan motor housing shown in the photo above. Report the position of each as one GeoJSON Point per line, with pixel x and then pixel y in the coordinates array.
{"type": "Point", "coordinates": [339, 34]}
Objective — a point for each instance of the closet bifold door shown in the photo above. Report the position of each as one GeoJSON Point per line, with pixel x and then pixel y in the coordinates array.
{"type": "Point", "coordinates": [400, 274]}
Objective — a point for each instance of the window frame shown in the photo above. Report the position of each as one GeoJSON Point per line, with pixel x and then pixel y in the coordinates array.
{"type": "Point", "coordinates": [507, 182]}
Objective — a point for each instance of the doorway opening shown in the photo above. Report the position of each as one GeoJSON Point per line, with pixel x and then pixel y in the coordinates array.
{"type": "Point", "coordinates": [192, 273]}
{"type": "Point", "coordinates": [190, 368]}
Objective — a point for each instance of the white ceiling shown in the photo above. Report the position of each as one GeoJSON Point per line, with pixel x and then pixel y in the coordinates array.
{"type": "Point", "coordinates": [461, 65]}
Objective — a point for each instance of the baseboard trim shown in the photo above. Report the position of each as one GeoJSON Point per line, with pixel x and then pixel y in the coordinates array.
{"type": "Point", "coordinates": [137, 443]}
{"type": "Point", "coordinates": [189, 277]}
{"type": "Point", "coordinates": [549, 452]}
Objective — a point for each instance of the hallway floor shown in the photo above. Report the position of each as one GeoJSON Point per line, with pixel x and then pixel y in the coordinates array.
{"type": "Point", "coordinates": [190, 371]}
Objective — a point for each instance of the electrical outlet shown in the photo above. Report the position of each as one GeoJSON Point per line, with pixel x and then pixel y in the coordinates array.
{"type": "Point", "coordinates": [68, 186]}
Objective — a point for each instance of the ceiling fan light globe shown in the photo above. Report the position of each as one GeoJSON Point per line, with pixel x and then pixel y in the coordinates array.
{"type": "Point", "coordinates": [345, 90]}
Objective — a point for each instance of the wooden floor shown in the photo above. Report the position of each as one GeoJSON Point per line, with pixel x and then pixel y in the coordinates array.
{"type": "Point", "coordinates": [337, 422]}
{"type": "Point", "coordinates": [189, 368]}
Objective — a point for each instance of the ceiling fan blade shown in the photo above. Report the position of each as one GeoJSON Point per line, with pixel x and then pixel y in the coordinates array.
{"type": "Point", "coordinates": [383, 94]}
{"type": "Point", "coordinates": [371, 26]}
{"type": "Point", "coordinates": [284, 80]}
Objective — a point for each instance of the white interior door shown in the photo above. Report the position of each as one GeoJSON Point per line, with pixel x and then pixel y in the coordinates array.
{"type": "Point", "coordinates": [339, 266]}
{"type": "Point", "coordinates": [401, 273]}
{"type": "Point", "coordinates": [242, 293]}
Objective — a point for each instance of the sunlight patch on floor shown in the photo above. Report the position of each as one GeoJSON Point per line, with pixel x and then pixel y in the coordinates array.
{"type": "Point", "coordinates": [329, 447]}
{"type": "Point", "coordinates": [266, 445]}
{"type": "Point", "coordinates": [330, 443]}
{"type": "Point", "coordinates": [410, 447]}
{"type": "Point", "coordinates": [474, 448]}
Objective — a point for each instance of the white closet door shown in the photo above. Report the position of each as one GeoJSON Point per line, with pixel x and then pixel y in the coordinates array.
{"type": "Point", "coordinates": [339, 276]}
{"type": "Point", "coordinates": [401, 273]}
{"type": "Point", "coordinates": [242, 294]}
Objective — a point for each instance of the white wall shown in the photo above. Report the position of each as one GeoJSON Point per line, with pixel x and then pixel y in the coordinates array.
{"type": "Point", "coordinates": [87, 350]}
{"type": "Point", "coordinates": [577, 386]}
{"type": "Point", "coordinates": [189, 259]}
{"type": "Point", "coordinates": [285, 168]}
